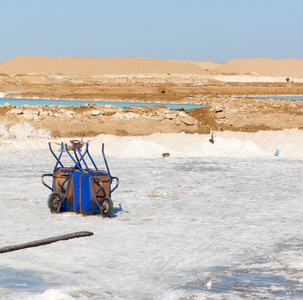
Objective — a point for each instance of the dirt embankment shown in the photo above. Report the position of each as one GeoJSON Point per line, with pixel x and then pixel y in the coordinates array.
{"type": "Point", "coordinates": [165, 88]}
{"type": "Point", "coordinates": [224, 111]}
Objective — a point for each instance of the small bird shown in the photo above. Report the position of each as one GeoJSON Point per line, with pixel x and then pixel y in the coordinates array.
{"type": "Point", "coordinates": [165, 155]}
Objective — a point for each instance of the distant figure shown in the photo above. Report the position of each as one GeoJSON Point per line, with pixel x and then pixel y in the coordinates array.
{"type": "Point", "coordinates": [287, 79]}
{"type": "Point", "coordinates": [165, 155]}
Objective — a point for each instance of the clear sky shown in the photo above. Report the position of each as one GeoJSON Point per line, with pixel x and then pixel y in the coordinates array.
{"type": "Point", "coordinates": [217, 30]}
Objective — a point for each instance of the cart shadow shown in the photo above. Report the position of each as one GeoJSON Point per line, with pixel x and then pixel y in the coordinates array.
{"type": "Point", "coordinates": [117, 210]}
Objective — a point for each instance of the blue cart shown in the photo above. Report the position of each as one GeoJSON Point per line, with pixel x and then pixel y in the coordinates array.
{"type": "Point", "coordinates": [79, 188]}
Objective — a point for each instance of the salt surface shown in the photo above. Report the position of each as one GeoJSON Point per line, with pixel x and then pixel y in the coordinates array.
{"type": "Point", "coordinates": [228, 213]}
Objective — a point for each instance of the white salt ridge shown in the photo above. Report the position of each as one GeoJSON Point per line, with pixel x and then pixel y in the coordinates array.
{"type": "Point", "coordinates": [227, 144]}
{"type": "Point", "coordinates": [253, 78]}
{"type": "Point", "coordinates": [24, 136]}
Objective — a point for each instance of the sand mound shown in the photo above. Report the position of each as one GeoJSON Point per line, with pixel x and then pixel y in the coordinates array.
{"type": "Point", "coordinates": [208, 65]}
{"type": "Point", "coordinates": [97, 66]}
{"type": "Point", "coordinates": [290, 67]}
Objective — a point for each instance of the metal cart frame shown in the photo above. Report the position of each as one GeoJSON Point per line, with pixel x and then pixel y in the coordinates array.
{"type": "Point", "coordinates": [79, 188]}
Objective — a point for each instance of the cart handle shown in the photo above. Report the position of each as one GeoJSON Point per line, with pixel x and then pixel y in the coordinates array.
{"type": "Point", "coordinates": [42, 179]}
{"type": "Point", "coordinates": [117, 183]}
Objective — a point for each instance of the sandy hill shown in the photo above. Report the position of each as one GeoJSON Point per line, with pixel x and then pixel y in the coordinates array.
{"type": "Point", "coordinates": [97, 66]}
{"type": "Point", "coordinates": [290, 67]}
{"type": "Point", "coordinates": [208, 65]}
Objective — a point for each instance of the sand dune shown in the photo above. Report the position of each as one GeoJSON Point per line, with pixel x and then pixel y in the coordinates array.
{"type": "Point", "coordinates": [290, 67]}
{"type": "Point", "coordinates": [208, 65]}
{"type": "Point", "coordinates": [96, 66]}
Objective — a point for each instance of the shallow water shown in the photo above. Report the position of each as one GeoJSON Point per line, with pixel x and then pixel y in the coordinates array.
{"type": "Point", "coordinates": [288, 97]}
{"type": "Point", "coordinates": [49, 102]}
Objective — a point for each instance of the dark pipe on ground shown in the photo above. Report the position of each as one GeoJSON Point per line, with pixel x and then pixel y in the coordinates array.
{"type": "Point", "coordinates": [46, 241]}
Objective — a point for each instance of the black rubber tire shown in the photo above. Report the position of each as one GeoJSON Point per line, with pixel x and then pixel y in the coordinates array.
{"type": "Point", "coordinates": [53, 202]}
{"type": "Point", "coordinates": [107, 212]}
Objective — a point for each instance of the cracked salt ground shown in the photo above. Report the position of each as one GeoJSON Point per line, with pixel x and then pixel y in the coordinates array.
{"type": "Point", "coordinates": [175, 221]}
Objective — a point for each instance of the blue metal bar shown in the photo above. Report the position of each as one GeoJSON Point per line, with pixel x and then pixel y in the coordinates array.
{"type": "Point", "coordinates": [77, 156]}
{"type": "Point", "coordinates": [101, 187]}
{"type": "Point", "coordinates": [82, 157]}
{"type": "Point", "coordinates": [92, 161]}
{"type": "Point", "coordinates": [42, 179]}
{"type": "Point", "coordinates": [77, 163]}
{"type": "Point", "coordinates": [117, 184]}
{"type": "Point", "coordinates": [105, 161]}
{"type": "Point", "coordinates": [69, 182]}
{"type": "Point", "coordinates": [57, 158]}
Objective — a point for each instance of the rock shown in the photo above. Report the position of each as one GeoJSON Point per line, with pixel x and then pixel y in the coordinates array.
{"type": "Point", "coordinates": [109, 106]}
{"type": "Point", "coordinates": [126, 116]}
{"type": "Point", "coordinates": [177, 122]}
{"type": "Point", "coordinates": [16, 111]}
{"type": "Point", "coordinates": [95, 112]}
{"type": "Point", "coordinates": [182, 114]}
{"type": "Point", "coordinates": [171, 115]}
{"type": "Point", "coordinates": [31, 113]}
{"type": "Point", "coordinates": [188, 121]}
{"type": "Point", "coordinates": [70, 113]}
{"type": "Point", "coordinates": [46, 113]}
{"type": "Point", "coordinates": [8, 105]}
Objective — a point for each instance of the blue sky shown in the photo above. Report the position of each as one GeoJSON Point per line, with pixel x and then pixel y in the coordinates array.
{"type": "Point", "coordinates": [217, 30]}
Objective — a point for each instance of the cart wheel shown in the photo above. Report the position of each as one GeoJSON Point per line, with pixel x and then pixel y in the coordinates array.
{"type": "Point", "coordinates": [108, 205]}
{"type": "Point", "coordinates": [53, 202]}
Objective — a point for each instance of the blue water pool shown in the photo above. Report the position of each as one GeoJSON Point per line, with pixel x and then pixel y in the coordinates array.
{"type": "Point", "coordinates": [49, 102]}
{"type": "Point", "coordinates": [289, 97]}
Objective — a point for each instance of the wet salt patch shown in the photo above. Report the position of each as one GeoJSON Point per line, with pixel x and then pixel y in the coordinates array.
{"type": "Point", "coordinates": [255, 282]}
{"type": "Point", "coordinates": [21, 279]}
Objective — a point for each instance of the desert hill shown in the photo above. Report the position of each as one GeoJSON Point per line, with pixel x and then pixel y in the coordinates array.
{"type": "Point", "coordinates": [290, 67]}
{"type": "Point", "coordinates": [96, 66]}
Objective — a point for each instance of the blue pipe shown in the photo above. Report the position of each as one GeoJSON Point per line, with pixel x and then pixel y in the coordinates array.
{"type": "Point", "coordinates": [57, 158]}
{"type": "Point", "coordinates": [105, 161]}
